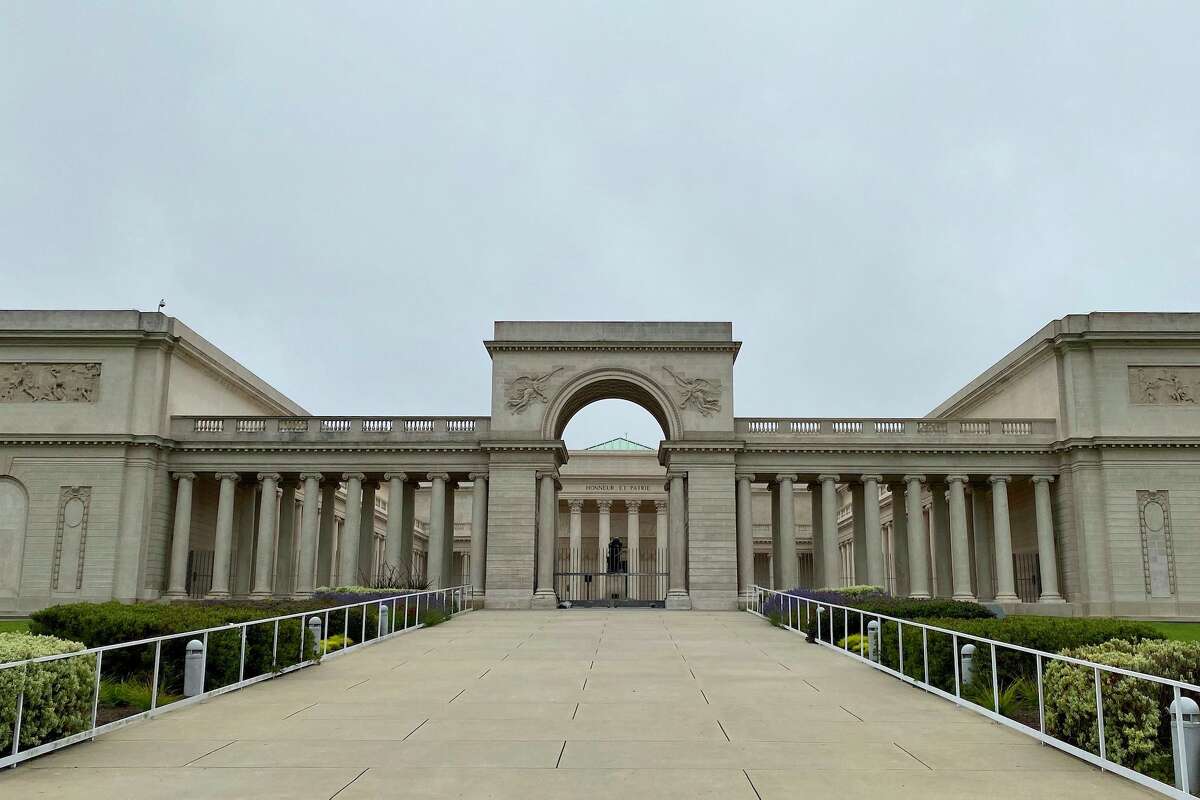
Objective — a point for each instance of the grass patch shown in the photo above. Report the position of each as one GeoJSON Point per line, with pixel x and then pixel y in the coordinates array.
{"type": "Point", "coordinates": [14, 626]}
{"type": "Point", "coordinates": [1178, 631]}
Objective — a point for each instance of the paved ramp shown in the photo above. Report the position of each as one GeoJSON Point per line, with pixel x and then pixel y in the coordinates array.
{"type": "Point", "coordinates": [572, 704]}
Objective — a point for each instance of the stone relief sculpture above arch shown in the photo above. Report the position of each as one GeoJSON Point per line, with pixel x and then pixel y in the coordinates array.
{"type": "Point", "coordinates": [611, 383]}
{"type": "Point", "coordinates": [14, 521]}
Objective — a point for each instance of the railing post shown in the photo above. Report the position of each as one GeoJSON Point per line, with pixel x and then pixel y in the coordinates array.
{"type": "Point", "coordinates": [1185, 739]}
{"type": "Point", "coordinates": [154, 679]}
{"type": "Point", "coordinates": [96, 692]}
{"type": "Point", "coordinates": [873, 640]}
{"type": "Point", "coordinates": [363, 611]}
{"type": "Point", "coordinates": [900, 644]}
{"type": "Point", "coordinates": [995, 682]}
{"type": "Point", "coordinates": [957, 676]}
{"type": "Point", "coordinates": [383, 620]}
{"type": "Point", "coordinates": [193, 666]}
{"type": "Point", "coordinates": [16, 743]}
{"type": "Point", "coordinates": [275, 648]}
{"type": "Point", "coordinates": [1041, 698]}
{"type": "Point", "coordinates": [314, 630]}
{"type": "Point", "coordinates": [241, 654]}
{"type": "Point", "coordinates": [325, 640]}
{"type": "Point", "coordinates": [1100, 716]}
{"type": "Point", "coordinates": [925, 651]}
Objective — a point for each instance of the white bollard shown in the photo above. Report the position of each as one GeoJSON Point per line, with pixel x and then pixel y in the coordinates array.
{"type": "Point", "coordinates": [314, 635]}
{"type": "Point", "coordinates": [1189, 748]}
{"type": "Point", "coordinates": [193, 669]}
{"type": "Point", "coordinates": [968, 664]}
{"type": "Point", "coordinates": [873, 640]}
{"type": "Point", "coordinates": [383, 620]}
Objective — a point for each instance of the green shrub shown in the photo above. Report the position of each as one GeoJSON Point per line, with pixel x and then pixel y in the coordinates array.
{"type": "Point", "coordinates": [98, 624]}
{"type": "Point", "coordinates": [856, 590]}
{"type": "Point", "coordinates": [1137, 730]}
{"type": "Point", "coordinates": [855, 642]}
{"type": "Point", "coordinates": [132, 693]}
{"type": "Point", "coordinates": [1049, 634]}
{"type": "Point", "coordinates": [58, 694]}
{"type": "Point", "coordinates": [838, 624]}
{"type": "Point", "coordinates": [335, 643]}
{"type": "Point", "coordinates": [433, 616]}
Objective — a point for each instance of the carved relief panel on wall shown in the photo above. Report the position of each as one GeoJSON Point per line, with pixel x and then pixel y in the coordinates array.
{"type": "Point", "coordinates": [70, 543]}
{"type": "Point", "coordinates": [1158, 553]}
{"type": "Point", "coordinates": [524, 390]}
{"type": "Point", "coordinates": [1164, 386]}
{"type": "Point", "coordinates": [46, 382]}
{"type": "Point", "coordinates": [701, 394]}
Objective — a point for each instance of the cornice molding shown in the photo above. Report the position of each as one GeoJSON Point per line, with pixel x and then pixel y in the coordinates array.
{"type": "Point", "coordinates": [496, 346]}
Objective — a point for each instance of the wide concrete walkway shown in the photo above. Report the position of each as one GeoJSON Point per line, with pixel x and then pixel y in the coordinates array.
{"type": "Point", "coordinates": [572, 704]}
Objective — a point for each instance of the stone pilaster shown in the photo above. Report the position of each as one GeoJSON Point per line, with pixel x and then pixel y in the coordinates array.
{"type": "Point", "coordinates": [1006, 587]}
{"type": "Point", "coordinates": [745, 537]}
{"type": "Point", "coordinates": [264, 551]}
{"type": "Point", "coordinates": [603, 536]}
{"type": "Point", "coordinates": [223, 545]}
{"type": "Point", "coordinates": [575, 585]}
{"type": "Point", "coordinates": [918, 538]}
{"type": "Point", "coordinates": [829, 532]}
{"type": "Point", "coordinates": [677, 593]}
{"type": "Point", "coordinates": [309, 527]}
{"type": "Point", "coordinates": [784, 531]}
{"type": "Point", "coordinates": [633, 537]}
{"type": "Point", "coordinates": [441, 532]}
{"type": "Point", "coordinates": [351, 528]}
{"type": "Point", "coordinates": [398, 541]}
{"type": "Point", "coordinates": [960, 546]}
{"type": "Point", "coordinates": [479, 502]}
{"type": "Point", "coordinates": [1047, 552]}
{"type": "Point", "coordinates": [181, 536]}
{"type": "Point", "coordinates": [661, 538]}
{"type": "Point", "coordinates": [544, 596]}
{"type": "Point", "coordinates": [872, 532]}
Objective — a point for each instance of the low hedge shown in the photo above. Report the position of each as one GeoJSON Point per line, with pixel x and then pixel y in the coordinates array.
{"type": "Point", "coordinates": [1048, 634]}
{"type": "Point", "coordinates": [58, 694]}
{"type": "Point", "coordinates": [838, 624]}
{"type": "Point", "coordinates": [1137, 727]}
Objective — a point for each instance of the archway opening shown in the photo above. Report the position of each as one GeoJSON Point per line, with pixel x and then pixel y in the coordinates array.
{"type": "Point", "coordinates": [611, 547]}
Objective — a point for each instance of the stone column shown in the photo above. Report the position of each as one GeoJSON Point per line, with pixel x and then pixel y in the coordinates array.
{"type": "Point", "coordinates": [1047, 557]}
{"type": "Point", "coordinates": [785, 531]}
{"type": "Point", "coordinates": [677, 593]}
{"type": "Point", "coordinates": [633, 535]}
{"type": "Point", "coordinates": [243, 555]}
{"type": "Point", "coordinates": [918, 538]}
{"type": "Point", "coordinates": [575, 585]}
{"type": "Point", "coordinates": [365, 573]}
{"type": "Point", "coordinates": [181, 538]}
{"type": "Point", "coordinates": [960, 543]}
{"type": "Point", "coordinates": [223, 546]}
{"type": "Point", "coordinates": [545, 596]}
{"type": "Point", "coordinates": [398, 542]}
{"type": "Point", "coordinates": [325, 531]}
{"type": "Point", "coordinates": [265, 548]}
{"type": "Point", "coordinates": [818, 545]}
{"type": "Point", "coordinates": [745, 537]}
{"type": "Point", "coordinates": [348, 561]}
{"type": "Point", "coordinates": [981, 522]}
{"type": "Point", "coordinates": [437, 571]}
{"type": "Point", "coordinates": [874, 535]}
{"type": "Point", "coordinates": [309, 525]}
{"type": "Point", "coordinates": [285, 550]}
{"type": "Point", "coordinates": [1006, 587]}
{"type": "Point", "coordinates": [661, 536]}
{"type": "Point", "coordinates": [900, 557]}
{"type": "Point", "coordinates": [829, 532]}
{"type": "Point", "coordinates": [939, 516]}
{"type": "Point", "coordinates": [479, 501]}
{"type": "Point", "coordinates": [604, 533]}
{"type": "Point", "coordinates": [858, 520]}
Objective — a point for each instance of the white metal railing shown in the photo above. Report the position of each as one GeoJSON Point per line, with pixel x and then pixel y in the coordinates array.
{"type": "Point", "coordinates": [796, 613]}
{"type": "Point", "coordinates": [453, 598]}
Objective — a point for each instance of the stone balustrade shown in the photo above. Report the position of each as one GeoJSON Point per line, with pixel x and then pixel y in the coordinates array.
{"type": "Point", "coordinates": [321, 429]}
{"type": "Point", "coordinates": [1027, 431]}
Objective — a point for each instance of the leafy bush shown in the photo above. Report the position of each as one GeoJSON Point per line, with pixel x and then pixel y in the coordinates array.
{"type": "Point", "coordinates": [859, 590]}
{"type": "Point", "coordinates": [1049, 634]}
{"type": "Point", "coordinates": [98, 624]}
{"type": "Point", "coordinates": [1137, 730]}
{"type": "Point", "coordinates": [335, 643]}
{"type": "Point", "coordinates": [433, 616]}
{"type": "Point", "coordinates": [58, 694]}
{"type": "Point", "coordinates": [855, 642]}
{"type": "Point", "coordinates": [838, 624]}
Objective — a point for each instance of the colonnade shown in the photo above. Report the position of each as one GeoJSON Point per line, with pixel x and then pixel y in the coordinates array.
{"type": "Point", "coordinates": [273, 566]}
{"type": "Point", "coordinates": [634, 547]}
{"type": "Point", "coordinates": [989, 533]}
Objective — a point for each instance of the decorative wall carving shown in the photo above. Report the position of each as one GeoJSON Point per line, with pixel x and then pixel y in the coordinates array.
{"type": "Point", "coordinates": [1158, 553]}
{"type": "Point", "coordinates": [1164, 386]}
{"type": "Point", "coordinates": [702, 394]}
{"type": "Point", "coordinates": [70, 543]}
{"type": "Point", "coordinates": [48, 382]}
{"type": "Point", "coordinates": [524, 390]}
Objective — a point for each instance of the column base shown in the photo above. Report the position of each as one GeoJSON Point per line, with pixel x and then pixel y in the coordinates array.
{"type": "Point", "coordinates": [218, 596]}
{"type": "Point", "coordinates": [172, 596]}
{"type": "Point", "coordinates": [302, 595]}
{"type": "Point", "coordinates": [965, 598]}
{"type": "Point", "coordinates": [919, 596]}
{"type": "Point", "coordinates": [1007, 598]}
{"type": "Point", "coordinates": [259, 596]}
{"type": "Point", "coordinates": [678, 600]}
{"type": "Point", "coordinates": [544, 599]}
{"type": "Point", "coordinates": [1051, 598]}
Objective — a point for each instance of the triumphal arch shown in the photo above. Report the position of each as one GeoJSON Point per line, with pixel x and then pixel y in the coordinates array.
{"type": "Point", "coordinates": [139, 462]}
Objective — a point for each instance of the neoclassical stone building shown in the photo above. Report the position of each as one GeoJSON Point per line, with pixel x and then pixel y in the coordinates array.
{"type": "Point", "coordinates": [139, 462]}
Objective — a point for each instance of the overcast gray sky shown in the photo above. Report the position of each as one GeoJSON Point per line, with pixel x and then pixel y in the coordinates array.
{"type": "Point", "coordinates": [884, 198]}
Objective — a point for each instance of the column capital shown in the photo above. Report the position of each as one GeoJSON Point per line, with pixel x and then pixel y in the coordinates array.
{"type": "Point", "coordinates": [957, 479]}
{"type": "Point", "coordinates": [269, 476]}
{"type": "Point", "coordinates": [660, 506]}
{"type": "Point", "coordinates": [575, 504]}
{"type": "Point", "coordinates": [395, 476]}
{"type": "Point", "coordinates": [744, 476]}
{"type": "Point", "coordinates": [911, 478]}
{"type": "Point", "coordinates": [1042, 479]}
{"type": "Point", "coordinates": [999, 479]}
{"type": "Point", "coordinates": [787, 476]}
{"type": "Point", "coordinates": [437, 476]}
{"type": "Point", "coordinates": [873, 478]}
{"type": "Point", "coordinates": [827, 478]}
{"type": "Point", "coordinates": [184, 476]}
{"type": "Point", "coordinates": [676, 474]}
{"type": "Point", "coordinates": [352, 476]}
{"type": "Point", "coordinates": [304, 476]}
{"type": "Point", "coordinates": [227, 476]}
{"type": "Point", "coordinates": [477, 476]}
{"type": "Point", "coordinates": [605, 505]}
{"type": "Point", "coordinates": [633, 506]}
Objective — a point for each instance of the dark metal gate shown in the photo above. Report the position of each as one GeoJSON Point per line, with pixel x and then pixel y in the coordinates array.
{"type": "Point", "coordinates": [613, 584]}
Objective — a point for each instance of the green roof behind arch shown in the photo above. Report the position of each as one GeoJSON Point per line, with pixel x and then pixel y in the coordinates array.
{"type": "Point", "coordinates": [619, 443]}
